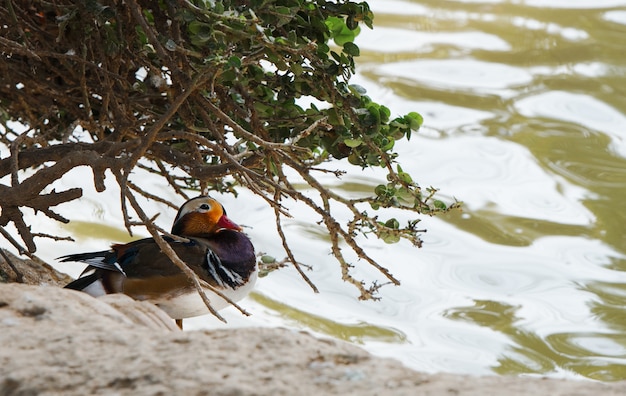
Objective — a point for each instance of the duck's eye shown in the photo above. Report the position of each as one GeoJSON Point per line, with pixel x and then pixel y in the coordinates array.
{"type": "Point", "coordinates": [205, 207]}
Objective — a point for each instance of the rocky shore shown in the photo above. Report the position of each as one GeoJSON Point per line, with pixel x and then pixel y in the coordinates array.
{"type": "Point", "coordinates": [61, 342]}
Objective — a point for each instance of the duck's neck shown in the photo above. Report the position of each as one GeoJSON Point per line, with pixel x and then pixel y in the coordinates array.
{"type": "Point", "coordinates": [234, 250]}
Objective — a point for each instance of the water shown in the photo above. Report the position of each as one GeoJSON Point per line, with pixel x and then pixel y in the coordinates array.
{"type": "Point", "coordinates": [524, 103]}
{"type": "Point", "coordinates": [525, 122]}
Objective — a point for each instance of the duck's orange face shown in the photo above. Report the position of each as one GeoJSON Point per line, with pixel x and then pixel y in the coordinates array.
{"type": "Point", "coordinates": [202, 215]}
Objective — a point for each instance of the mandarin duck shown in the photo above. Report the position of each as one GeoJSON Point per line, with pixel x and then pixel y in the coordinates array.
{"type": "Point", "coordinates": [217, 251]}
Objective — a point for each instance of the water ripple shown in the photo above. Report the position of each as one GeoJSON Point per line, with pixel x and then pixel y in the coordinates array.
{"type": "Point", "coordinates": [568, 33]}
{"type": "Point", "coordinates": [578, 109]}
{"type": "Point", "coordinates": [403, 40]}
{"type": "Point", "coordinates": [397, 7]}
{"type": "Point", "coordinates": [578, 4]}
{"type": "Point", "coordinates": [458, 74]}
{"type": "Point", "coordinates": [499, 175]}
{"type": "Point", "coordinates": [488, 280]}
{"type": "Point", "coordinates": [616, 16]}
{"type": "Point", "coordinates": [589, 345]}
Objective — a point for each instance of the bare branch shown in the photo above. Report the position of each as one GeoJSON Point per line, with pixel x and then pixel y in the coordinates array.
{"type": "Point", "coordinates": [18, 274]}
{"type": "Point", "coordinates": [283, 238]}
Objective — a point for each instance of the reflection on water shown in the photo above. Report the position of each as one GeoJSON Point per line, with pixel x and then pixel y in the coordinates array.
{"type": "Point", "coordinates": [86, 229]}
{"type": "Point", "coordinates": [596, 355]}
{"type": "Point", "coordinates": [609, 307]}
{"type": "Point", "coordinates": [548, 161]}
{"type": "Point", "coordinates": [503, 229]}
{"type": "Point", "coordinates": [525, 122]}
{"type": "Point", "coordinates": [358, 333]}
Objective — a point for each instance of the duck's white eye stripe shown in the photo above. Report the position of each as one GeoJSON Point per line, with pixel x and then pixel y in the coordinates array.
{"type": "Point", "coordinates": [198, 204]}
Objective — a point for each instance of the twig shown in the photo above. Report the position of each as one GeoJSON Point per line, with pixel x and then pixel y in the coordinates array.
{"type": "Point", "coordinates": [283, 238]}
{"type": "Point", "coordinates": [150, 136]}
{"type": "Point", "coordinates": [53, 237]}
{"type": "Point", "coordinates": [332, 223]}
{"type": "Point", "coordinates": [250, 136]}
{"type": "Point", "coordinates": [310, 129]}
{"type": "Point", "coordinates": [150, 196]}
{"type": "Point", "coordinates": [170, 180]}
{"type": "Point", "coordinates": [18, 275]}
{"type": "Point", "coordinates": [20, 249]}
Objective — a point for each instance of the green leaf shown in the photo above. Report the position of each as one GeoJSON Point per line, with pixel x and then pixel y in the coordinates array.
{"type": "Point", "coordinates": [390, 238]}
{"type": "Point", "coordinates": [334, 24]}
{"type": "Point", "coordinates": [351, 22]}
{"type": "Point", "coordinates": [439, 204]}
{"type": "Point", "coordinates": [340, 32]}
{"type": "Point", "coordinates": [266, 259]}
{"type": "Point", "coordinates": [283, 10]}
{"type": "Point", "coordinates": [405, 177]}
{"type": "Point", "coordinates": [414, 120]}
{"type": "Point", "coordinates": [346, 36]}
{"type": "Point", "coordinates": [234, 61]}
{"type": "Point", "coordinates": [385, 113]}
{"type": "Point", "coordinates": [351, 49]}
{"type": "Point", "coordinates": [392, 223]}
{"type": "Point", "coordinates": [353, 142]}
{"type": "Point", "coordinates": [357, 90]}
{"type": "Point", "coordinates": [195, 26]}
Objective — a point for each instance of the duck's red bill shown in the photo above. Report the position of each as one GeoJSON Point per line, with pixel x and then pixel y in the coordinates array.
{"type": "Point", "coordinates": [227, 223]}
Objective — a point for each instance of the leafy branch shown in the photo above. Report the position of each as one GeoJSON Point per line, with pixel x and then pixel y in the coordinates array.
{"type": "Point", "coordinates": [209, 96]}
